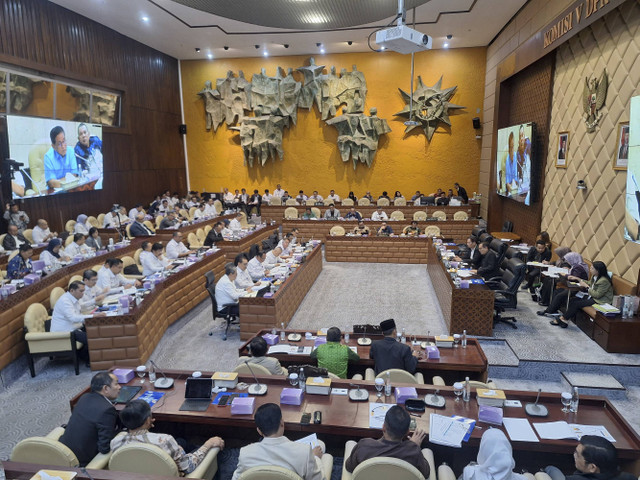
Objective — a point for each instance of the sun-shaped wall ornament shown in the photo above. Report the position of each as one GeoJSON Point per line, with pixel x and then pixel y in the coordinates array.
{"type": "Point", "coordinates": [430, 107]}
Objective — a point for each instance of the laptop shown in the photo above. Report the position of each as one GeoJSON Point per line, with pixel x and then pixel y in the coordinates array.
{"type": "Point", "coordinates": [262, 291]}
{"type": "Point", "coordinates": [127, 392]}
{"type": "Point", "coordinates": [197, 394]}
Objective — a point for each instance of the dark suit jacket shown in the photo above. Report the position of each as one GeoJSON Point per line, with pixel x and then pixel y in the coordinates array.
{"type": "Point", "coordinates": [94, 243]}
{"type": "Point", "coordinates": [138, 230]}
{"type": "Point", "coordinates": [91, 427]}
{"type": "Point", "coordinates": [489, 266]}
{"type": "Point", "coordinates": [10, 244]}
{"type": "Point", "coordinates": [387, 353]}
{"type": "Point", "coordinates": [474, 260]}
{"type": "Point", "coordinates": [212, 237]}
{"type": "Point", "coordinates": [463, 193]}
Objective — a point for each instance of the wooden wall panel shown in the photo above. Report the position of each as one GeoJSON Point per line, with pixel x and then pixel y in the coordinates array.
{"type": "Point", "coordinates": [143, 157]}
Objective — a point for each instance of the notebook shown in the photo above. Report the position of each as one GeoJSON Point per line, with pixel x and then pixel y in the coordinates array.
{"type": "Point", "coordinates": [197, 394]}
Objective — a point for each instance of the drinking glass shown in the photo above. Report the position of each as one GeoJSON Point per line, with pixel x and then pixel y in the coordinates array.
{"type": "Point", "coordinates": [456, 339]}
{"type": "Point", "coordinates": [379, 386]}
{"type": "Point", "coordinates": [293, 379]}
{"type": "Point", "coordinates": [141, 371]}
{"type": "Point", "coordinates": [458, 388]}
{"type": "Point", "coordinates": [566, 401]}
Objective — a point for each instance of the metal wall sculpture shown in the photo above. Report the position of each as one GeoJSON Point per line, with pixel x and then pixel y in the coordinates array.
{"type": "Point", "coordinates": [430, 107]}
{"type": "Point", "coordinates": [594, 96]}
{"type": "Point", "coordinates": [274, 102]}
{"type": "Point", "coordinates": [21, 91]}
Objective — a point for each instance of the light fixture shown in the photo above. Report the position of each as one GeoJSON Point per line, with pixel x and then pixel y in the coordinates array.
{"type": "Point", "coordinates": [349, 43]}
{"type": "Point", "coordinates": [209, 56]}
{"type": "Point", "coordinates": [446, 45]}
{"type": "Point", "coordinates": [257, 46]}
{"type": "Point", "coordinates": [286, 45]}
{"type": "Point", "coordinates": [383, 48]}
{"type": "Point", "coordinates": [197, 49]}
{"type": "Point", "coordinates": [321, 49]}
{"type": "Point", "coordinates": [145, 19]}
{"type": "Point", "coordinates": [449, 37]}
{"type": "Point", "coordinates": [265, 54]}
{"type": "Point", "coordinates": [226, 47]}
{"type": "Point", "coordinates": [581, 185]}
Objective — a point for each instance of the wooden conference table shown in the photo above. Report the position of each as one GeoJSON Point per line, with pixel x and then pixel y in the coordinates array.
{"type": "Point", "coordinates": [343, 419]}
{"type": "Point", "coordinates": [372, 249]}
{"type": "Point", "coordinates": [453, 365]}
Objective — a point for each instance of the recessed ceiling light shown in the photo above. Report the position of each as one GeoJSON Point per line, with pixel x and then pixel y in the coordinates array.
{"type": "Point", "coordinates": [145, 19]}
{"type": "Point", "coordinates": [383, 48]}
{"type": "Point", "coordinates": [322, 50]}
{"type": "Point", "coordinates": [446, 45]}
{"type": "Point", "coordinates": [209, 56]}
{"type": "Point", "coordinates": [265, 53]}
{"type": "Point", "coordinates": [315, 18]}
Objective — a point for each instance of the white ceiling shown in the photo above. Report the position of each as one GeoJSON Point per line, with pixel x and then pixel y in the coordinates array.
{"type": "Point", "coordinates": [177, 30]}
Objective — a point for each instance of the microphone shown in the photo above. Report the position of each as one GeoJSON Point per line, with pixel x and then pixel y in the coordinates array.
{"type": "Point", "coordinates": [358, 395]}
{"type": "Point", "coordinates": [536, 410]}
{"type": "Point", "coordinates": [257, 389]}
{"type": "Point", "coordinates": [163, 382]}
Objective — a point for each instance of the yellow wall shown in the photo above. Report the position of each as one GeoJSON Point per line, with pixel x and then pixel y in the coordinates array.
{"type": "Point", "coordinates": [311, 157]}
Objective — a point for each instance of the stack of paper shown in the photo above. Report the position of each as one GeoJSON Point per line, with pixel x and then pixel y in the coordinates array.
{"type": "Point", "coordinates": [447, 431]}
{"type": "Point", "coordinates": [560, 430]}
{"type": "Point", "coordinates": [519, 430]}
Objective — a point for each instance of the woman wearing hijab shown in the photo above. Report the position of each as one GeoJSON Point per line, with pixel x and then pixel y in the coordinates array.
{"type": "Point", "coordinates": [51, 256]}
{"type": "Point", "coordinates": [495, 459]}
{"type": "Point", "coordinates": [81, 225]}
{"type": "Point", "coordinates": [599, 290]}
{"type": "Point", "coordinates": [578, 270]}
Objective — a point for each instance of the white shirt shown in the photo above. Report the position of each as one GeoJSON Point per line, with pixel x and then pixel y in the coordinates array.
{"type": "Point", "coordinates": [227, 293]}
{"type": "Point", "coordinates": [234, 225]}
{"type": "Point", "coordinates": [39, 234]}
{"type": "Point", "coordinates": [199, 213]}
{"type": "Point", "coordinates": [66, 314]}
{"type": "Point", "coordinates": [243, 279]}
{"type": "Point", "coordinates": [110, 221]}
{"type": "Point", "coordinates": [81, 228]}
{"type": "Point", "coordinates": [133, 213]}
{"type": "Point", "coordinates": [210, 210]}
{"type": "Point", "coordinates": [256, 269]}
{"type": "Point", "coordinates": [270, 260]}
{"type": "Point", "coordinates": [266, 198]}
{"type": "Point", "coordinates": [229, 197]}
{"type": "Point", "coordinates": [278, 192]}
{"type": "Point", "coordinates": [285, 251]}
{"type": "Point", "coordinates": [175, 249]}
{"type": "Point", "coordinates": [74, 249]}
{"type": "Point", "coordinates": [151, 263]}
{"type": "Point", "coordinates": [301, 198]}
{"type": "Point", "coordinates": [107, 279]}
{"type": "Point", "coordinates": [226, 232]}
{"type": "Point", "coordinates": [88, 300]}
{"type": "Point", "coordinates": [334, 197]}
{"type": "Point", "coordinates": [316, 198]}
{"type": "Point", "coordinates": [379, 216]}
{"type": "Point", "coordinates": [48, 259]}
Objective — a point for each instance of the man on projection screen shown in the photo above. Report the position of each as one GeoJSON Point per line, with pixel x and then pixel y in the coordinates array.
{"type": "Point", "coordinates": [60, 163]}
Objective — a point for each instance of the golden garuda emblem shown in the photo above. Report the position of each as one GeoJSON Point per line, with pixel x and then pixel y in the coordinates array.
{"type": "Point", "coordinates": [594, 97]}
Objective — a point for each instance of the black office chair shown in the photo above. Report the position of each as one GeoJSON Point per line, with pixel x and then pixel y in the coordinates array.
{"type": "Point", "coordinates": [499, 248]}
{"type": "Point", "coordinates": [225, 314]}
{"type": "Point", "coordinates": [507, 295]}
{"type": "Point", "coordinates": [253, 251]}
{"type": "Point", "coordinates": [507, 226]}
{"type": "Point", "coordinates": [477, 231]}
{"type": "Point", "coordinates": [513, 253]}
{"type": "Point", "coordinates": [485, 237]}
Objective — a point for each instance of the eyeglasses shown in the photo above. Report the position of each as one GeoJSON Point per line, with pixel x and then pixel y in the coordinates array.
{"type": "Point", "coordinates": [60, 144]}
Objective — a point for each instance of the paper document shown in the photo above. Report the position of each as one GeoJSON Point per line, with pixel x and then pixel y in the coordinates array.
{"type": "Point", "coordinates": [597, 430]}
{"type": "Point", "coordinates": [312, 440]}
{"type": "Point", "coordinates": [519, 430]}
{"type": "Point", "coordinates": [354, 349]}
{"type": "Point", "coordinates": [561, 430]}
{"type": "Point", "coordinates": [446, 431]}
{"type": "Point", "coordinates": [279, 348]}
{"type": "Point", "coordinates": [464, 273]}
{"type": "Point", "coordinates": [377, 412]}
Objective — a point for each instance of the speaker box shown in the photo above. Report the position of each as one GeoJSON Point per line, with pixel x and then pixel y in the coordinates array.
{"type": "Point", "coordinates": [182, 129]}
{"type": "Point", "coordinates": [476, 123]}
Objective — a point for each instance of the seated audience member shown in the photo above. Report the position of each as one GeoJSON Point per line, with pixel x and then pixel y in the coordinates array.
{"type": "Point", "coordinates": [215, 235]}
{"type": "Point", "coordinates": [278, 192]}
{"type": "Point", "coordinates": [472, 254]}
{"type": "Point", "coordinates": [352, 214]}
{"type": "Point", "coordinates": [93, 295]}
{"type": "Point", "coordinates": [228, 198]}
{"type": "Point", "coordinates": [397, 195]}
{"type": "Point", "coordinates": [548, 283]}
{"type": "Point", "coordinates": [488, 266]}
{"type": "Point", "coordinates": [495, 459]}
{"type": "Point", "coordinates": [123, 215]}
{"type": "Point", "coordinates": [545, 237]}
{"type": "Point", "coordinates": [155, 262]}
{"type": "Point", "coordinates": [226, 231]}
{"type": "Point", "coordinates": [333, 355]}
{"type": "Point", "coordinates": [244, 200]}
{"type": "Point", "coordinates": [538, 253]}
{"type": "Point", "coordinates": [133, 213]}
{"type": "Point", "coordinates": [308, 214]}
{"type": "Point", "coordinates": [164, 207]}
{"type": "Point", "coordinates": [94, 419]}
{"type": "Point", "coordinates": [110, 220]}
{"type": "Point", "coordinates": [255, 201]}
{"type": "Point", "coordinates": [67, 316]}
{"type": "Point", "coordinates": [139, 229]}
{"type": "Point", "coordinates": [199, 212]}
{"type": "Point", "coordinates": [210, 208]}
{"type": "Point", "coordinates": [315, 197]}
{"type": "Point", "coordinates": [301, 198]}
{"type": "Point", "coordinates": [416, 196]}
{"type": "Point", "coordinates": [235, 224]}
{"type": "Point", "coordinates": [353, 197]}
{"type": "Point", "coordinates": [77, 247]}
{"type": "Point", "coordinates": [293, 238]}
{"type": "Point", "coordinates": [110, 276]}
{"type": "Point", "coordinates": [14, 216]}
{"type": "Point", "coordinates": [450, 194]}
{"type": "Point", "coordinates": [227, 294]}
{"type": "Point", "coordinates": [442, 199]}
{"type": "Point", "coordinates": [193, 201]}
{"type": "Point", "coordinates": [13, 239]}
{"type": "Point", "coordinates": [41, 232]}
{"type": "Point", "coordinates": [332, 213]}
{"type": "Point", "coordinates": [384, 195]}
{"type": "Point", "coordinates": [20, 265]}
{"type": "Point", "coordinates": [138, 420]}
{"type": "Point", "coordinates": [272, 258]}
{"type": "Point", "coordinates": [333, 197]}
{"type": "Point", "coordinates": [385, 230]}
{"type": "Point", "coordinates": [285, 196]}
{"type": "Point", "coordinates": [412, 230]}
{"type": "Point", "coordinates": [595, 458]}
{"type": "Point", "coordinates": [81, 225]}
{"type": "Point", "coordinates": [392, 444]}
{"type": "Point", "coordinates": [175, 247]}
{"type": "Point", "coordinates": [420, 200]}
{"type": "Point", "coordinates": [389, 353]}
{"type": "Point", "coordinates": [276, 449]}
{"type": "Point", "coordinates": [256, 266]}
{"type": "Point", "coordinates": [599, 290]}
{"type": "Point", "coordinates": [169, 221]}
{"type": "Point", "coordinates": [368, 196]}
{"type": "Point", "coordinates": [243, 278]}
{"type": "Point", "coordinates": [578, 271]}
{"type": "Point", "coordinates": [258, 350]}
{"type": "Point", "coordinates": [379, 215]}
{"type": "Point", "coordinates": [51, 256]}
{"type": "Point", "coordinates": [361, 229]}
{"type": "Point", "coordinates": [266, 198]}
{"type": "Point", "coordinates": [93, 239]}
{"type": "Point", "coordinates": [285, 245]}
{"type": "Point", "coordinates": [461, 192]}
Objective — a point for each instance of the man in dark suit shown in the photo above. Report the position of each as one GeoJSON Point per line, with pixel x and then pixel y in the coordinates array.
{"type": "Point", "coordinates": [138, 228]}
{"type": "Point", "coordinates": [255, 201]}
{"type": "Point", "coordinates": [388, 353]}
{"type": "Point", "coordinates": [488, 263]}
{"type": "Point", "coordinates": [214, 235]}
{"type": "Point", "coordinates": [93, 422]}
{"type": "Point", "coordinates": [471, 254]}
{"type": "Point", "coordinates": [462, 193]}
{"type": "Point", "coordinates": [13, 239]}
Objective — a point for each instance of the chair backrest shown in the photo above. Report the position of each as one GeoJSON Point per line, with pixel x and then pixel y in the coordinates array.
{"type": "Point", "coordinates": [93, 221]}
{"type": "Point", "coordinates": [383, 202]}
{"type": "Point", "coordinates": [28, 234]}
{"type": "Point", "coordinates": [383, 468]}
{"type": "Point", "coordinates": [328, 201]}
{"type": "Point", "coordinates": [485, 237]}
{"type": "Point", "coordinates": [136, 256]}
{"type": "Point", "coordinates": [512, 276]}
{"type": "Point", "coordinates": [291, 201]}
{"type": "Point", "coordinates": [243, 220]}
{"type": "Point", "coordinates": [100, 220]}
{"type": "Point", "coordinates": [242, 369]}
{"type": "Point", "coordinates": [269, 472]}
{"type": "Point", "coordinates": [68, 241]}
{"type": "Point", "coordinates": [498, 247]}
{"type": "Point", "coordinates": [275, 201]}
{"type": "Point", "coordinates": [348, 202]}
{"type": "Point", "coordinates": [477, 231]}
{"type": "Point", "coordinates": [337, 231]}
{"type": "Point", "coordinates": [513, 253]}
{"type": "Point", "coordinates": [44, 451]}
{"type": "Point", "coordinates": [397, 215]}
{"type": "Point", "coordinates": [143, 458]}
{"type": "Point", "coordinates": [34, 318]}
{"type": "Point", "coordinates": [69, 226]}
{"type": "Point", "coordinates": [193, 240]}
{"type": "Point", "coordinates": [432, 231]}
{"type": "Point", "coordinates": [428, 201]}
{"type": "Point", "coordinates": [128, 230]}
{"type": "Point", "coordinates": [316, 211]}
{"type": "Point", "coordinates": [398, 376]}
{"type": "Point", "coordinates": [210, 279]}
{"type": "Point", "coordinates": [309, 202]}
{"type": "Point", "coordinates": [13, 254]}
{"type": "Point", "coordinates": [159, 219]}
{"type": "Point", "coordinates": [399, 202]}
{"type": "Point", "coordinates": [364, 202]}
{"type": "Point", "coordinates": [217, 204]}
{"type": "Point", "coordinates": [290, 212]}
{"type": "Point", "coordinates": [192, 210]}
{"type": "Point", "coordinates": [126, 261]}
{"type": "Point", "coordinates": [207, 229]}
{"type": "Point", "coordinates": [75, 278]}
{"type": "Point", "coordinates": [55, 294]}
{"type": "Point", "coordinates": [461, 215]}
{"type": "Point", "coordinates": [184, 213]}
{"type": "Point", "coordinates": [253, 250]}
{"type": "Point", "coordinates": [149, 225]}
{"type": "Point", "coordinates": [420, 216]}
{"type": "Point", "coordinates": [439, 214]}
{"type": "Point", "coordinates": [36, 163]}
{"type": "Point", "coordinates": [507, 226]}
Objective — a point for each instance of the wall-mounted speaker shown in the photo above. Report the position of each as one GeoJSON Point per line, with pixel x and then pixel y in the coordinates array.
{"type": "Point", "coordinates": [476, 123]}
{"type": "Point", "coordinates": [182, 129]}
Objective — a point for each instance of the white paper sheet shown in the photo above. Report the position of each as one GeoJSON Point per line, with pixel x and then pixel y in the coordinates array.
{"type": "Point", "coordinates": [446, 431]}
{"type": "Point", "coordinates": [312, 440]}
{"type": "Point", "coordinates": [519, 430]}
{"type": "Point", "coordinates": [554, 430]}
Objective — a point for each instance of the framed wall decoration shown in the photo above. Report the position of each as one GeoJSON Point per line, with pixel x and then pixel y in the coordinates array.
{"type": "Point", "coordinates": [621, 154]}
{"type": "Point", "coordinates": [562, 149]}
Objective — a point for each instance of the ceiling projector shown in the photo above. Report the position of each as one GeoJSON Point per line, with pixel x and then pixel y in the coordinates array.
{"type": "Point", "coordinates": [403, 39]}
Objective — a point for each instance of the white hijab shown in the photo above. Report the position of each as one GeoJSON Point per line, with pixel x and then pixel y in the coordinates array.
{"type": "Point", "coordinates": [495, 459]}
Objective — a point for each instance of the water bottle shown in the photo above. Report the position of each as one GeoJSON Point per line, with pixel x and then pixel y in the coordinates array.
{"type": "Point", "coordinates": [403, 337]}
{"type": "Point", "coordinates": [575, 400]}
{"type": "Point", "coordinates": [346, 334]}
{"type": "Point", "coordinates": [152, 373]}
{"type": "Point", "coordinates": [301, 379]}
{"type": "Point", "coordinates": [464, 339]}
{"type": "Point", "coordinates": [466, 395]}
{"type": "Point", "coordinates": [282, 335]}
{"type": "Point", "coordinates": [387, 385]}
